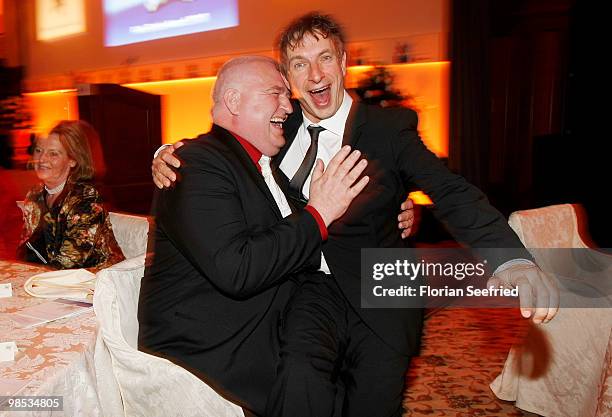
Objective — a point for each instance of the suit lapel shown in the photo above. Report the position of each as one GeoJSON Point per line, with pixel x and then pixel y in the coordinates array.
{"type": "Point", "coordinates": [291, 128]}
{"type": "Point", "coordinates": [281, 178]}
{"type": "Point", "coordinates": [358, 116]}
{"type": "Point", "coordinates": [283, 183]}
{"type": "Point", "coordinates": [246, 163]}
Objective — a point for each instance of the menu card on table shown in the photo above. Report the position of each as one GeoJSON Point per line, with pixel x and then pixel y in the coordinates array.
{"type": "Point", "coordinates": [49, 311]}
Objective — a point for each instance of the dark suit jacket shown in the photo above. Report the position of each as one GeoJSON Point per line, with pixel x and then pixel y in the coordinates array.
{"type": "Point", "coordinates": [211, 299]}
{"type": "Point", "coordinates": [397, 159]}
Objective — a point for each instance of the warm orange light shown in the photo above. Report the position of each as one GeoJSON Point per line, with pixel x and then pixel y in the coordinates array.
{"type": "Point", "coordinates": [49, 107]}
{"type": "Point", "coordinates": [427, 83]}
{"type": "Point", "coordinates": [420, 198]}
{"type": "Point", "coordinates": [186, 103]}
{"type": "Point", "coordinates": [167, 83]}
{"type": "Point", "coordinates": [186, 106]}
{"type": "Point", "coordinates": [50, 93]}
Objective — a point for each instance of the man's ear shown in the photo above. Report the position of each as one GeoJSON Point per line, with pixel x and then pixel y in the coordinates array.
{"type": "Point", "coordinates": [231, 98]}
{"type": "Point", "coordinates": [343, 63]}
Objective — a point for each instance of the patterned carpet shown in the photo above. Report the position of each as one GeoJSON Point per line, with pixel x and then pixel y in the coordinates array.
{"type": "Point", "coordinates": [463, 350]}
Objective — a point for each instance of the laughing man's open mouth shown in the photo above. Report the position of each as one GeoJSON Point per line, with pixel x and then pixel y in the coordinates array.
{"type": "Point", "coordinates": [278, 121]}
{"type": "Point", "coordinates": [321, 95]}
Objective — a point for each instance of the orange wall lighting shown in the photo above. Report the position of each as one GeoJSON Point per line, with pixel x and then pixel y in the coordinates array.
{"type": "Point", "coordinates": [49, 107]}
{"type": "Point", "coordinates": [186, 106]}
{"type": "Point", "coordinates": [186, 103]}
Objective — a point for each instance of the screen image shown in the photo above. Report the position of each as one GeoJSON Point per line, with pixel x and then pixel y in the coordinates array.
{"type": "Point", "coordinates": [130, 21]}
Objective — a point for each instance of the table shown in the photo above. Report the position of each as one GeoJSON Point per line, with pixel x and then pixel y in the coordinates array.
{"type": "Point", "coordinates": [62, 358]}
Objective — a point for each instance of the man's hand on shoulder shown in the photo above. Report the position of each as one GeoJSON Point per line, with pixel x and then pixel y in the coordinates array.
{"type": "Point", "coordinates": [408, 219]}
{"type": "Point", "coordinates": [538, 293]}
{"type": "Point", "coordinates": [161, 168]}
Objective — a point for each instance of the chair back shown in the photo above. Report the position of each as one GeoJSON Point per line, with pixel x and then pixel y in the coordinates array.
{"type": "Point", "coordinates": [548, 227]}
{"type": "Point", "coordinates": [131, 232]}
{"type": "Point", "coordinates": [563, 226]}
{"type": "Point", "coordinates": [150, 386]}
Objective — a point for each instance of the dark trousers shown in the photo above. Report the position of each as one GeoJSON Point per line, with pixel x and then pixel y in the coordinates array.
{"type": "Point", "coordinates": [328, 351]}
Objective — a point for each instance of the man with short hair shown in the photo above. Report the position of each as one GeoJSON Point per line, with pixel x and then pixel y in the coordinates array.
{"type": "Point", "coordinates": [229, 249]}
{"type": "Point", "coordinates": [328, 340]}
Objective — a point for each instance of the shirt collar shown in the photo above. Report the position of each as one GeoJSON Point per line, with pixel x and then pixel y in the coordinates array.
{"type": "Point", "coordinates": [252, 151]}
{"type": "Point", "coordinates": [337, 122]}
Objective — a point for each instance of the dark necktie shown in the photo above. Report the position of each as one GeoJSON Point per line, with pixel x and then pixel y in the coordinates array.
{"type": "Point", "coordinates": [297, 182]}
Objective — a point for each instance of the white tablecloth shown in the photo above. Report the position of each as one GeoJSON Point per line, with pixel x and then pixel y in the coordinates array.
{"type": "Point", "coordinates": [59, 358]}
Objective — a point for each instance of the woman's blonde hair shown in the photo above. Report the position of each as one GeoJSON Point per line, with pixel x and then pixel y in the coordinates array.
{"type": "Point", "coordinates": [75, 136]}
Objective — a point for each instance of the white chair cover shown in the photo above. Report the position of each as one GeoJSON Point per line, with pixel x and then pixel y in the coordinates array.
{"type": "Point", "coordinates": [131, 233]}
{"type": "Point", "coordinates": [149, 386]}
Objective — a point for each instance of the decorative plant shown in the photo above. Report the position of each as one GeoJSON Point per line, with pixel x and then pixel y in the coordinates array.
{"type": "Point", "coordinates": [378, 89]}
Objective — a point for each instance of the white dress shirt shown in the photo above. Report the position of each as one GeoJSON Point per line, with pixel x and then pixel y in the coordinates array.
{"type": "Point", "coordinates": [277, 193]}
{"type": "Point", "coordinates": [330, 142]}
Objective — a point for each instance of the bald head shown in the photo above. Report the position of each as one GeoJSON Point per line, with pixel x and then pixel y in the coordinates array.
{"type": "Point", "coordinates": [251, 100]}
{"type": "Point", "coordinates": [235, 72]}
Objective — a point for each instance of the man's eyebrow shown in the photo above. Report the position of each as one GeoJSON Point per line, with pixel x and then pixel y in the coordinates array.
{"type": "Point", "coordinates": [324, 51]}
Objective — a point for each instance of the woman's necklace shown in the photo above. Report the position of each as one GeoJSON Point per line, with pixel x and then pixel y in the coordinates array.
{"type": "Point", "coordinates": [58, 189]}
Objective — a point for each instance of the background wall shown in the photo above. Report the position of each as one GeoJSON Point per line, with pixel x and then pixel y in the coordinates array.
{"type": "Point", "coordinates": [1, 16]}
{"type": "Point", "coordinates": [374, 28]}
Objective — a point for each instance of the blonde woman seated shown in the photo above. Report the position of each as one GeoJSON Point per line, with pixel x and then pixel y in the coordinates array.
{"type": "Point", "coordinates": [65, 225]}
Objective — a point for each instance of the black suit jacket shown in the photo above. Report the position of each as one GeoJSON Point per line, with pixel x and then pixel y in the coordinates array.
{"type": "Point", "coordinates": [212, 297]}
{"type": "Point", "coordinates": [397, 160]}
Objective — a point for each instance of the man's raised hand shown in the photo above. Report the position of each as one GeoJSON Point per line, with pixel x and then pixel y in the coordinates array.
{"type": "Point", "coordinates": [332, 190]}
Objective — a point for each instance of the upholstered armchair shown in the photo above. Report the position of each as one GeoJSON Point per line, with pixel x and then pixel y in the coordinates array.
{"type": "Point", "coordinates": [564, 367]}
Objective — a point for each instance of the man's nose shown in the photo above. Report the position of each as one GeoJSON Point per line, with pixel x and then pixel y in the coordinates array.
{"type": "Point", "coordinates": [285, 104]}
{"type": "Point", "coordinates": [315, 73]}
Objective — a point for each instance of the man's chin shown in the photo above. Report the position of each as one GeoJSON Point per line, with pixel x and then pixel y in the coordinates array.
{"type": "Point", "coordinates": [273, 152]}
{"type": "Point", "coordinates": [320, 112]}
{"type": "Point", "coordinates": [275, 146]}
